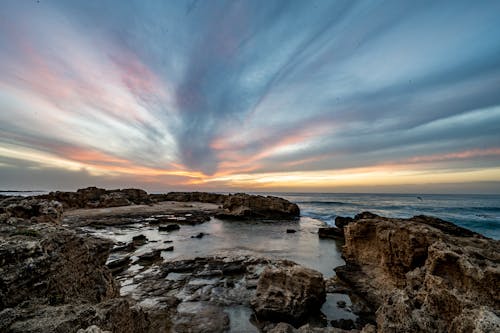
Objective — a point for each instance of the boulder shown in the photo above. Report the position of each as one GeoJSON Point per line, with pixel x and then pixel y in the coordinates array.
{"type": "Point", "coordinates": [169, 227]}
{"type": "Point", "coordinates": [334, 233]}
{"type": "Point", "coordinates": [288, 294]}
{"type": "Point", "coordinates": [246, 206]}
{"type": "Point", "coordinates": [422, 274]}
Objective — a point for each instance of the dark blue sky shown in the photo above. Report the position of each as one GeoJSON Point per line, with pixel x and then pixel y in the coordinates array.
{"type": "Point", "coordinates": [273, 95]}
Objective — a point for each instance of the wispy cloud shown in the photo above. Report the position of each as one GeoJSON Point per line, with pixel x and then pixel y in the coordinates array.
{"type": "Point", "coordinates": [227, 93]}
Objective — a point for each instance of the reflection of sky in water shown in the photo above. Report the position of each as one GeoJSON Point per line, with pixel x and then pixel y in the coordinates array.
{"type": "Point", "coordinates": [268, 239]}
{"type": "Point", "coordinates": [232, 238]}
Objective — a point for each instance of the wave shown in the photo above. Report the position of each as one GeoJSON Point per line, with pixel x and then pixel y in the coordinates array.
{"type": "Point", "coordinates": [337, 203]}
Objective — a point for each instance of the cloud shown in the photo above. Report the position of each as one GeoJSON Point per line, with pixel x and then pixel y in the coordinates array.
{"type": "Point", "coordinates": [250, 87]}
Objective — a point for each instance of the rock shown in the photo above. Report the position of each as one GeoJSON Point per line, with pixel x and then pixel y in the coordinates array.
{"type": "Point", "coordinates": [288, 294]}
{"type": "Point", "coordinates": [92, 329]}
{"type": "Point", "coordinates": [54, 268]}
{"type": "Point", "coordinates": [196, 317]}
{"type": "Point", "coordinates": [136, 196]}
{"type": "Point", "coordinates": [35, 210]}
{"type": "Point", "coordinates": [199, 235]}
{"type": "Point", "coordinates": [115, 199]}
{"type": "Point", "coordinates": [341, 304]}
{"type": "Point", "coordinates": [194, 196]}
{"type": "Point", "coordinates": [422, 273]}
{"type": "Point", "coordinates": [334, 233]}
{"type": "Point", "coordinates": [115, 315]}
{"type": "Point", "coordinates": [169, 227]}
{"type": "Point", "coordinates": [93, 197]}
{"type": "Point", "coordinates": [291, 231]}
{"type": "Point", "coordinates": [119, 265]}
{"type": "Point", "coordinates": [246, 206]}
{"type": "Point", "coordinates": [150, 257]}
{"type": "Point", "coordinates": [139, 240]}
{"type": "Point", "coordinates": [283, 328]}
{"type": "Point", "coordinates": [341, 222]}
{"type": "Point", "coordinates": [287, 328]}
{"type": "Point", "coordinates": [345, 324]}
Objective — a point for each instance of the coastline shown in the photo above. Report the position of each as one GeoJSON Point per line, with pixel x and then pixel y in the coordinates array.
{"type": "Point", "coordinates": [180, 294]}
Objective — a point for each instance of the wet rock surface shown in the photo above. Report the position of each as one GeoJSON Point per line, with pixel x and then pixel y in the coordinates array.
{"type": "Point", "coordinates": [423, 274]}
{"type": "Point", "coordinates": [331, 232]}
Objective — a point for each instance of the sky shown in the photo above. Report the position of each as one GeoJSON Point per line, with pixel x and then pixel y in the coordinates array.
{"type": "Point", "coordinates": [328, 96]}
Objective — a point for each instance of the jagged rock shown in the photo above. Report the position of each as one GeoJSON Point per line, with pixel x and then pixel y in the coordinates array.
{"type": "Point", "coordinates": [92, 329]}
{"type": "Point", "coordinates": [345, 324]}
{"type": "Point", "coordinates": [196, 317]}
{"type": "Point", "coordinates": [193, 196]}
{"type": "Point", "coordinates": [93, 197]}
{"type": "Point", "coordinates": [115, 315]}
{"type": "Point", "coordinates": [35, 210]}
{"type": "Point", "coordinates": [139, 240]}
{"type": "Point", "coordinates": [341, 222]}
{"type": "Point", "coordinates": [149, 257]}
{"type": "Point", "coordinates": [119, 265]}
{"type": "Point", "coordinates": [422, 274]}
{"type": "Point", "coordinates": [115, 199]}
{"type": "Point", "coordinates": [246, 206]}
{"type": "Point", "coordinates": [54, 268]}
{"type": "Point", "coordinates": [288, 294]}
{"type": "Point", "coordinates": [287, 328]}
{"type": "Point", "coordinates": [169, 227]}
{"type": "Point", "coordinates": [334, 233]}
{"type": "Point", "coordinates": [291, 231]}
{"type": "Point", "coordinates": [199, 235]}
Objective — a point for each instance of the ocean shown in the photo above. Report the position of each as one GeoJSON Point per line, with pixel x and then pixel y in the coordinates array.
{"type": "Point", "coordinates": [480, 213]}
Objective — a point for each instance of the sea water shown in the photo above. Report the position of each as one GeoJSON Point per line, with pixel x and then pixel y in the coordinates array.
{"type": "Point", "coordinates": [479, 213]}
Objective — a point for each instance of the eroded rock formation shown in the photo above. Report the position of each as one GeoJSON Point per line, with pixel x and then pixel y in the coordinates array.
{"type": "Point", "coordinates": [246, 206]}
{"type": "Point", "coordinates": [423, 274]}
{"type": "Point", "coordinates": [55, 280]}
{"type": "Point", "coordinates": [289, 294]}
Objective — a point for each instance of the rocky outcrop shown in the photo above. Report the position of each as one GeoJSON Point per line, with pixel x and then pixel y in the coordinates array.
{"type": "Point", "coordinates": [52, 265]}
{"type": "Point", "coordinates": [191, 197]}
{"type": "Point", "coordinates": [55, 280]}
{"type": "Point", "coordinates": [423, 274]}
{"type": "Point", "coordinates": [246, 206]}
{"type": "Point", "coordinates": [240, 205]}
{"type": "Point", "coordinates": [93, 197]}
{"type": "Point", "coordinates": [114, 315]}
{"type": "Point", "coordinates": [331, 232]}
{"type": "Point", "coordinates": [289, 294]}
{"type": "Point", "coordinates": [34, 210]}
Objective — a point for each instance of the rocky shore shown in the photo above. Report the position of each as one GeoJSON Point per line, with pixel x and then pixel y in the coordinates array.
{"type": "Point", "coordinates": [402, 275]}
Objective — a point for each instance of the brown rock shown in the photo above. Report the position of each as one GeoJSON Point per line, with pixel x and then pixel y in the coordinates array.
{"type": "Point", "coordinates": [246, 206]}
{"type": "Point", "coordinates": [422, 274]}
{"type": "Point", "coordinates": [36, 210]}
{"type": "Point", "coordinates": [54, 268]}
{"type": "Point", "coordinates": [288, 294]}
{"type": "Point", "coordinates": [334, 233]}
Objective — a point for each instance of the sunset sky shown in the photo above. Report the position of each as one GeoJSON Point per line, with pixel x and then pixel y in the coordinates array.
{"type": "Point", "coordinates": [330, 96]}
